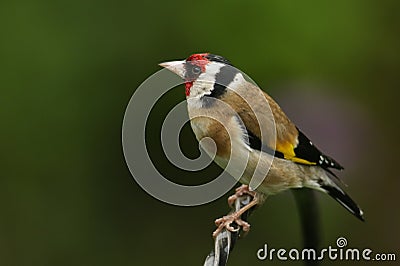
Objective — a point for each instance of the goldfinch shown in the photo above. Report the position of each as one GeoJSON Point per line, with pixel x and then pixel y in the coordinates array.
{"type": "Point", "coordinates": [247, 125]}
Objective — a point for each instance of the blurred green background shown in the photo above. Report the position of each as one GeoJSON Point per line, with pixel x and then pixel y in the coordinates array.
{"type": "Point", "coordinates": [69, 68]}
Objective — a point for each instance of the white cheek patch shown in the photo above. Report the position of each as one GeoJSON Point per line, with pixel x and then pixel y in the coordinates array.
{"type": "Point", "coordinates": [201, 88]}
{"type": "Point", "coordinates": [204, 84]}
{"type": "Point", "coordinates": [213, 69]}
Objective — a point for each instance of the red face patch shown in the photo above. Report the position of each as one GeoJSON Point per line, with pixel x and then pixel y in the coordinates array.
{"type": "Point", "coordinates": [197, 57]}
{"type": "Point", "coordinates": [199, 60]}
{"type": "Point", "coordinates": [188, 85]}
{"type": "Point", "coordinates": [193, 61]}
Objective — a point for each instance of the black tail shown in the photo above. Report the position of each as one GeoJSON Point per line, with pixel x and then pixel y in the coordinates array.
{"type": "Point", "coordinates": [344, 199]}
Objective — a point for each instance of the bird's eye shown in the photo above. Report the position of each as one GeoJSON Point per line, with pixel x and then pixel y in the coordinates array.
{"type": "Point", "coordinates": [196, 70]}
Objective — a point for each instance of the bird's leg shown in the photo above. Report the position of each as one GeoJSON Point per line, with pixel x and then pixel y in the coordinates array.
{"type": "Point", "coordinates": [225, 222]}
{"type": "Point", "coordinates": [240, 191]}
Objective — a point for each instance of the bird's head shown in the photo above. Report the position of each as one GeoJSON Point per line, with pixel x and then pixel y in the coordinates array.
{"type": "Point", "coordinates": [201, 72]}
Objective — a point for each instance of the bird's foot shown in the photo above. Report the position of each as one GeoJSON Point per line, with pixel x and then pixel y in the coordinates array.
{"type": "Point", "coordinates": [226, 221]}
{"type": "Point", "coordinates": [240, 191]}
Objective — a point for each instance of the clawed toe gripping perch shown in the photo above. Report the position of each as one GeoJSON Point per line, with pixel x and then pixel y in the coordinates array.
{"type": "Point", "coordinates": [229, 226]}
{"type": "Point", "coordinates": [235, 217]}
{"type": "Point", "coordinates": [243, 202]}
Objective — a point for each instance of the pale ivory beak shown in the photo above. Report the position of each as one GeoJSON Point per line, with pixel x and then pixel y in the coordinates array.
{"type": "Point", "coordinates": [175, 66]}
